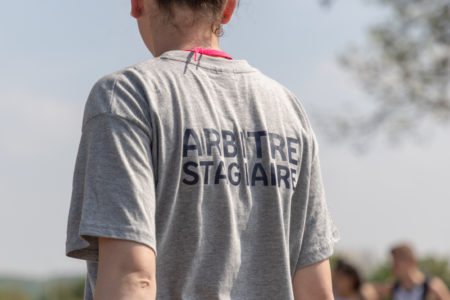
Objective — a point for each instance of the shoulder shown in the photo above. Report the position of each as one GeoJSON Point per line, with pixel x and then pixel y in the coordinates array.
{"type": "Point", "coordinates": [437, 287]}
{"type": "Point", "coordinates": [276, 86]}
{"type": "Point", "coordinates": [132, 78]}
{"type": "Point", "coordinates": [123, 93]}
{"type": "Point", "coordinates": [290, 101]}
{"type": "Point", "coordinates": [368, 291]}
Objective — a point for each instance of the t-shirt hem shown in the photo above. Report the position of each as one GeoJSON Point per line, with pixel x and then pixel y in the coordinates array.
{"type": "Point", "coordinates": [90, 251]}
{"type": "Point", "coordinates": [319, 255]}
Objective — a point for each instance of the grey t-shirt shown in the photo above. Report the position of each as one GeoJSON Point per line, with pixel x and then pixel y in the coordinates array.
{"type": "Point", "coordinates": [211, 164]}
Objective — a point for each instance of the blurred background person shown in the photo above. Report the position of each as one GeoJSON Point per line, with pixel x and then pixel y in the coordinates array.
{"type": "Point", "coordinates": [348, 285]}
{"type": "Point", "coordinates": [410, 282]}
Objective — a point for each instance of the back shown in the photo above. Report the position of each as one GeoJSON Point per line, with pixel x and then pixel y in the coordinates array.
{"type": "Point", "coordinates": [211, 164]}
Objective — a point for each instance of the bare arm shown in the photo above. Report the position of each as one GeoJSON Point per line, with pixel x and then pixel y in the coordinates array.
{"type": "Point", "coordinates": [438, 289]}
{"type": "Point", "coordinates": [313, 282]}
{"type": "Point", "coordinates": [384, 290]}
{"type": "Point", "coordinates": [126, 271]}
{"type": "Point", "coordinates": [369, 292]}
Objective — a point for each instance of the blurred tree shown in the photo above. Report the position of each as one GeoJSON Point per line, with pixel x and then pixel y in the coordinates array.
{"type": "Point", "coordinates": [405, 67]}
{"type": "Point", "coordinates": [433, 266]}
{"type": "Point", "coordinates": [381, 273]}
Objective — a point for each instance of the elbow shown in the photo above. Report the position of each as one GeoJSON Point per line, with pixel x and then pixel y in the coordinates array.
{"type": "Point", "coordinates": [127, 270]}
{"type": "Point", "coordinates": [140, 282]}
{"type": "Point", "coordinates": [126, 285]}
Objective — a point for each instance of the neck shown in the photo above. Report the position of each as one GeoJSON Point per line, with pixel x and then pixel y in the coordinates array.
{"type": "Point", "coordinates": [412, 278]}
{"type": "Point", "coordinates": [198, 35]}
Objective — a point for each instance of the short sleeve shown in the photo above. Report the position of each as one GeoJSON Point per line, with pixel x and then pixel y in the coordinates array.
{"type": "Point", "coordinates": [320, 233]}
{"type": "Point", "coordinates": [113, 192]}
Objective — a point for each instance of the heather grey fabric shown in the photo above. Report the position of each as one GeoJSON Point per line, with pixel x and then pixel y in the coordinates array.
{"type": "Point", "coordinates": [211, 164]}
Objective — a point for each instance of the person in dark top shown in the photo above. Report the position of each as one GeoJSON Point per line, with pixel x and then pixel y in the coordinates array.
{"type": "Point", "coordinates": [411, 283]}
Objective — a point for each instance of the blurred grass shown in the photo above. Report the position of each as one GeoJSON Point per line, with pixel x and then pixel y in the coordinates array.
{"type": "Point", "coordinates": [55, 289]}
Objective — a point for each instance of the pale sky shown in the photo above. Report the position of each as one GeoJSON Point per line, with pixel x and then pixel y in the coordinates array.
{"type": "Point", "coordinates": [52, 52]}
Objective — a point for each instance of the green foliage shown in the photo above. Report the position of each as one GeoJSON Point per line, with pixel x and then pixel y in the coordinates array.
{"type": "Point", "coordinates": [405, 67]}
{"type": "Point", "coordinates": [12, 288]}
{"type": "Point", "coordinates": [333, 261]}
{"type": "Point", "coordinates": [382, 273]}
{"type": "Point", "coordinates": [63, 290]}
{"type": "Point", "coordinates": [439, 267]}
{"type": "Point", "coordinates": [60, 289]}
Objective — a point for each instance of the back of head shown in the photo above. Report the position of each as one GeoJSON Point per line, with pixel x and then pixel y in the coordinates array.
{"type": "Point", "coordinates": [403, 259]}
{"type": "Point", "coordinates": [214, 6]}
{"type": "Point", "coordinates": [350, 272]}
{"type": "Point", "coordinates": [210, 9]}
{"type": "Point", "coordinates": [403, 252]}
{"type": "Point", "coordinates": [181, 24]}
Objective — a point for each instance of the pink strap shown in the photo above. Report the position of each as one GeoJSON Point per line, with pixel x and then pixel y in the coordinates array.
{"type": "Point", "coordinates": [209, 52]}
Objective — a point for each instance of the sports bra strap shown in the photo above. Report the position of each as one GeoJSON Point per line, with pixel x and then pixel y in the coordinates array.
{"type": "Point", "coordinates": [425, 286]}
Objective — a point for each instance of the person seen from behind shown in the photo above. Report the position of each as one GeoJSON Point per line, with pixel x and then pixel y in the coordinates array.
{"type": "Point", "coordinates": [348, 284]}
{"type": "Point", "coordinates": [197, 177]}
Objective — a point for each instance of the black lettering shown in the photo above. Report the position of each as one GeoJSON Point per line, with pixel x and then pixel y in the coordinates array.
{"type": "Point", "coordinates": [257, 135]}
{"type": "Point", "coordinates": [206, 164]}
{"type": "Point", "coordinates": [294, 180]}
{"type": "Point", "coordinates": [229, 143]}
{"type": "Point", "coordinates": [189, 172]}
{"type": "Point", "coordinates": [273, 176]}
{"type": "Point", "coordinates": [237, 174]}
{"type": "Point", "coordinates": [186, 147]}
{"type": "Point", "coordinates": [274, 147]}
{"type": "Point", "coordinates": [219, 174]}
{"type": "Point", "coordinates": [262, 177]}
{"type": "Point", "coordinates": [292, 149]}
{"type": "Point", "coordinates": [212, 143]}
{"type": "Point", "coordinates": [283, 177]}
